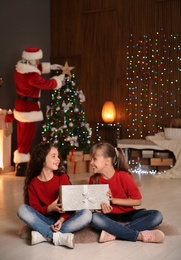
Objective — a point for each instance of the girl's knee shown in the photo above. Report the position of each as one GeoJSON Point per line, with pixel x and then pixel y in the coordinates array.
{"type": "Point", "coordinates": [159, 216]}
{"type": "Point", "coordinates": [21, 210]}
{"type": "Point", "coordinates": [95, 217]}
{"type": "Point", "coordinates": [98, 221]}
{"type": "Point", "coordinates": [87, 215]}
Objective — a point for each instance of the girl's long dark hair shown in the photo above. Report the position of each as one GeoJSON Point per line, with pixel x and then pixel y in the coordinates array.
{"type": "Point", "coordinates": [36, 165]}
{"type": "Point", "coordinates": [116, 154]}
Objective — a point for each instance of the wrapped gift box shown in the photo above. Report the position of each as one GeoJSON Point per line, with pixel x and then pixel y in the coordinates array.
{"type": "Point", "coordinates": [76, 167]}
{"type": "Point", "coordinates": [77, 162]}
{"type": "Point", "coordinates": [161, 154]}
{"type": "Point", "coordinates": [76, 197]}
{"type": "Point", "coordinates": [147, 154]}
{"type": "Point", "coordinates": [143, 161]}
{"type": "Point", "coordinates": [74, 158]}
{"type": "Point", "coordinates": [86, 157]}
{"type": "Point", "coordinates": [75, 153]}
{"type": "Point", "coordinates": [135, 153]}
{"type": "Point", "coordinates": [161, 161]}
{"type": "Point", "coordinates": [78, 157]}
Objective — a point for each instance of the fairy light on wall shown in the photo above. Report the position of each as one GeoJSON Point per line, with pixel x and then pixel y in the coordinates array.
{"type": "Point", "coordinates": [153, 83]}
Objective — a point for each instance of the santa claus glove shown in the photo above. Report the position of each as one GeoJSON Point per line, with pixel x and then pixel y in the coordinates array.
{"type": "Point", "coordinates": [55, 66]}
{"type": "Point", "coordinates": [60, 79]}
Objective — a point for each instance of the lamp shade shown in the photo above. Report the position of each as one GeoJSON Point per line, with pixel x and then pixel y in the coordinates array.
{"type": "Point", "coordinates": [108, 112]}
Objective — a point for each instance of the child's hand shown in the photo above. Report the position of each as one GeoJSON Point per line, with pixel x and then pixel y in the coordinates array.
{"type": "Point", "coordinates": [106, 208]}
{"type": "Point", "coordinates": [109, 194]}
{"type": "Point", "coordinates": [55, 206]}
{"type": "Point", "coordinates": [57, 226]}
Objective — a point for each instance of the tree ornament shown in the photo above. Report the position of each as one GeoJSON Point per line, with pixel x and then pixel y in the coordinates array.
{"type": "Point", "coordinates": [73, 140]}
{"type": "Point", "coordinates": [71, 124]}
{"type": "Point", "coordinates": [81, 96]}
{"type": "Point", "coordinates": [66, 69]}
{"type": "Point", "coordinates": [66, 106]}
{"type": "Point", "coordinates": [76, 109]}
{"type": "Point", "coordinates": [58, 109]}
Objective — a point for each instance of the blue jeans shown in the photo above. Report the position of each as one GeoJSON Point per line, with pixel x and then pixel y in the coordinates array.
{"type": "Point", "coordinates": [136, 221]}
{"type": "Point", "coordinates": [42, 223]}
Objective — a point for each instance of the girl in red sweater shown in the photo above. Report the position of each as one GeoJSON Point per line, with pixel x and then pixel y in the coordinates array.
{"type": "Point", "coordinates": [42, 211]}
{"type": "Point", "coordinates": [110, 167]}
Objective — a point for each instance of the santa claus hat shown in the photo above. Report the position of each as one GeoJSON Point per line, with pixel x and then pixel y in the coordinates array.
{"type": "Point", "coordinates": [32, 53]}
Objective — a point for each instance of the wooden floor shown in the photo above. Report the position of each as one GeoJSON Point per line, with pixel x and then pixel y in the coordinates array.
{"type": "Point", "coordinates": [161, 194]}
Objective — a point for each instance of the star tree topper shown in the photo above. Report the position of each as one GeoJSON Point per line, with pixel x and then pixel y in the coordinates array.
{"type": "Point", "coordinates": [66, 69]}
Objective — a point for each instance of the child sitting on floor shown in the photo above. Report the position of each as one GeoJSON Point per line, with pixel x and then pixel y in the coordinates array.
{"type": "Point", "coordinates": [110, 167]}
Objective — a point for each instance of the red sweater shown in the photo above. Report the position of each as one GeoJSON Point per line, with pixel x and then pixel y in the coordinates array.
{"type": "Point", "coordinates": [29, 83]}
{"type": "Point", "coordinates": [43, 193]}
{"type": "Point", "coordinates": [122, 186]}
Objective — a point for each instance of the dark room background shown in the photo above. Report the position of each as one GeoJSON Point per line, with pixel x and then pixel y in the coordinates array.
{"type": "Point", "coordinates": [94, 36]}
{"type": "Point", "coordinates": [23, 24]}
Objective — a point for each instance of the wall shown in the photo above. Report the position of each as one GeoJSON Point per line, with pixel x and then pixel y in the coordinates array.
{"type": "Point", "coordinates": [23, 23]}
{"type": "Point", "coordinates": [93, 36]}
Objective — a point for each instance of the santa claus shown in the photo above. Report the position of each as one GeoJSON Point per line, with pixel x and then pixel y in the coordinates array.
{"type": "Point", "coordinates": [27, 111]}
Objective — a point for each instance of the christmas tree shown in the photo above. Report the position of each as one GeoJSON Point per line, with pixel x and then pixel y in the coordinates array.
{"type": "Point", "coordinates": [65, 123]}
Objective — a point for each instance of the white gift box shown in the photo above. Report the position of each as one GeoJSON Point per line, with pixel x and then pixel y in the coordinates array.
{"type": "Point", "coordinates": [76, 197]}
{"type": "Point", "coordinates": [147, 153]}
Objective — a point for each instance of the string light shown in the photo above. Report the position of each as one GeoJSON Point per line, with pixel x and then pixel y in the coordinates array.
{"type": "Point", "coordinates": [112, 132]}
{"type": "Point", "coordinates": [153, 72]}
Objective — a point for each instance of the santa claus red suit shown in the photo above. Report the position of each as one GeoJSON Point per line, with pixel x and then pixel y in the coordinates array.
{"type": "Point", "coordinates": [27, 111]}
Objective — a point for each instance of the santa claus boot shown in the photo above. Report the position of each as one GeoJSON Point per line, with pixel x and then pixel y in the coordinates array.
{"type": "Point", "coordinates": [20, 169]}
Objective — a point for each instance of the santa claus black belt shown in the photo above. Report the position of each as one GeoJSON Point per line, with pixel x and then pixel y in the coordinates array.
{"type": "Point", "coordinates": [29, 99]}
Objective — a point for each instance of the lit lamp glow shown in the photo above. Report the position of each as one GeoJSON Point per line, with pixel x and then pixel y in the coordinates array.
{"type": "Point", "coordinates": [108, 112]}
